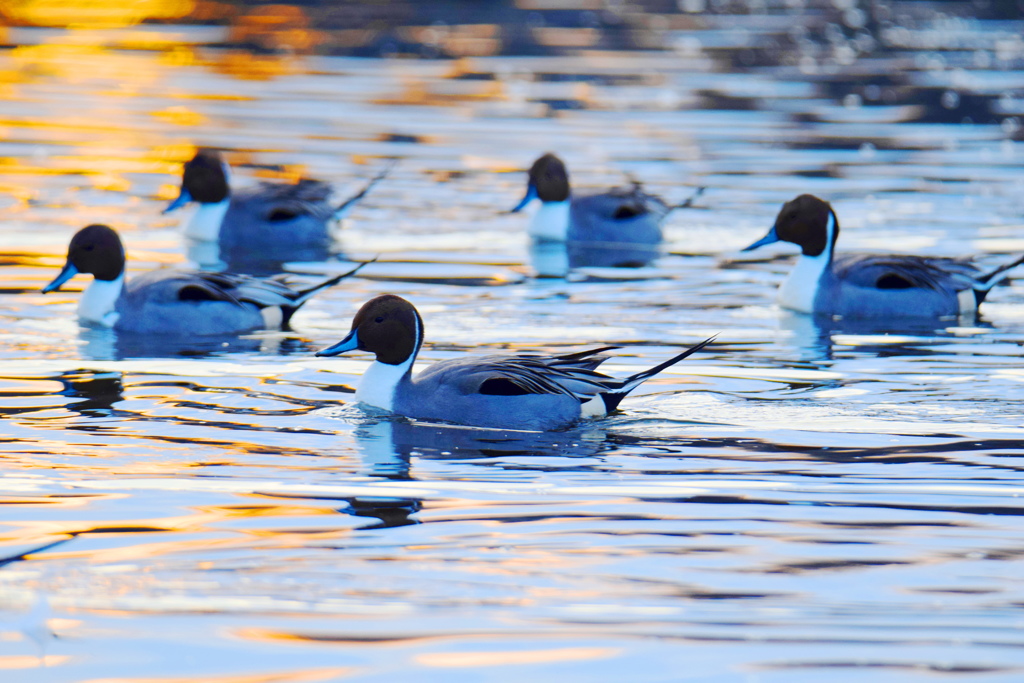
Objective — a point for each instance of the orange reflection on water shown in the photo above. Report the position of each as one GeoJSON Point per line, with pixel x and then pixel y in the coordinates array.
{"type": "Point", "coordinates": [278, 28]}
{"type": "Point", "coordinates": [251, 67]}
{"type": "Point", "coordinates": [291, 676]}
{"type": "Point", "coordinates": [30, 662]}
{"type": "Point", "coordinates": [417, 93]}
{"type": "Point", "coordinates": [92, 13]}
{"type": "Point", "coordinates": [459, 40]}
{"type": "Point", "coordinates": [180, 116]}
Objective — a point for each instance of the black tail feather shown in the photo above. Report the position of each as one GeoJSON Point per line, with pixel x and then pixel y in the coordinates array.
{"type": "Point", "coordinates": [348, 203]}
{"type": "Point", "coordinates": [4, 561]}
{"type": "Point", "coordinates": [613, 398]}
{"type": "Point", "coordinates": [306, 294]}
{"type": "Point", "coordinates": [989, 280]}
{"type": "Point", "coordinates": [689, 202]}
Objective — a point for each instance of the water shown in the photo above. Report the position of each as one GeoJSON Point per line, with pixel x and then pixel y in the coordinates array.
{"type": "Point", "coordinates": [796, 503]}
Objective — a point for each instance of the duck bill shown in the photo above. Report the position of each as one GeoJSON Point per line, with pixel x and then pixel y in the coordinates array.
{"type": "Point", "coordinates": [66, 273]}
{"type": "Point", "coordinates": [770, 238]}
{"type": "Point", "coordinates": [183, 198]}
{"type": "Point", "coordinates": [349, 343]}
{"type": "Point", "coordinates": [531, 194]}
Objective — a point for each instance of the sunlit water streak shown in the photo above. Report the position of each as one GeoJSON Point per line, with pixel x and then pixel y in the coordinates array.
{"type": "Point", "coordinates": [798, 503]}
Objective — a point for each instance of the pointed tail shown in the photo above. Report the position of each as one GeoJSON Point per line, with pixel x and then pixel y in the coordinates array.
{"type": "Point", "coordinates": [614, 397]}
{"type": "Point", "coordinates": [350, 203]}
{"type": "Point", "coordinates": [986, 282]}
{"type": "Point", "coordinates": [689, 202]}
{"type": "Point", "coordinates": [307, 294]}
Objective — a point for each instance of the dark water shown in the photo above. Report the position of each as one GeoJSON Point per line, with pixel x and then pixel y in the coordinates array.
{"type": "Point", "coordinates": [799, 503]}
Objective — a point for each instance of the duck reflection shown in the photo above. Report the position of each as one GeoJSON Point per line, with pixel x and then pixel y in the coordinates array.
{"type": "Point", "coordinates": [107, 344]}
{"type": "Point", "coordinates": [98, 391]}
{"type": "Point", "coordinates": [814, 335]}
{"type": "Point", "coordinates": [392, 512]}
{"type": "Point", "coordinates": [556, 259]}
{"type": "Point", "coordinates": [216, 257]}
{"type": "Point", "coordinates": [389, 443]}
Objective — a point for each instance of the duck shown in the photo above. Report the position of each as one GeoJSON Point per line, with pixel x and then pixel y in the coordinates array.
{"type": "Point", "coordinates": [175, 302]}
{"type": "Point", "coordinates": [618, 227]}
{"type": "Point", "coordinates": [864, 286]}
{"type": "Point", "coordinates": [292, 216]}
{"type": "Point", "coordinates": [521, 392]}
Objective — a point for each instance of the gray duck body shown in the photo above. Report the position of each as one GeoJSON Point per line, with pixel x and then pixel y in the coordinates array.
{"type": "Point", "coordinates": [182, 303]}
{"type": "Point", "coordinates": [877, 286]}
{"type": "Point", "coordinates": [270, 215]}
{"type": "Point", "coordinates": [452, 390]}
{"type": "Point", "coordinates": [619, 227]}
{"type": "Point", "coordinates": [870, 286]}
{"type": "Point", "coordinates": [524, 391]}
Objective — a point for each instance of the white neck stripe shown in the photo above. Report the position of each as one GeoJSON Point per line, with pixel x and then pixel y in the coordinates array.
{"type": "Point", "coordinates": [551, 221]}
{"type": "Point", "coordinates": [206, 221]}
{"type": "Point", "coordinates": [99, 301]}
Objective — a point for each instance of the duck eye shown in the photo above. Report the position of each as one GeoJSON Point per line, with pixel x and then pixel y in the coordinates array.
{"type": "Point", "coordinates": [379, 319]}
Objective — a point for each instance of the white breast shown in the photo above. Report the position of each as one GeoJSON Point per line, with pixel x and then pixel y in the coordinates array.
{"type": "Point", "coordinates": [551, 221]}
{"type": "Point", "coordinates": [799, 290]}
{"type": "Point", "coordinates": [99, 300]}
{"type": "Point", "coordinates": [206, 221]}
{"type": "Point", "coordinates": [378, 384]}
{"type": "Point", "coordinates": [801, 286]}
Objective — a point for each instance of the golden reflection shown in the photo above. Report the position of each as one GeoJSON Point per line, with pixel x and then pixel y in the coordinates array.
{"type": "Point", "coordinates": [37, 528]}
{"type": "Point", "coordinates": [277, 28]}
{"type": "Point", "coordinates": [457, 41]}
{"type": "Point", "coordinates": [245, 65]}
{"type": "Point", "coordinates": [92, 13]}
{"type": "Point", "coordinates": [417, 93]}
{"type": "Point", "coordinates": [83, 63]}
{"type": "Point", "coordinates": [553, 36]}
{"type": "Point", "coordinates": [252, 511]}
{"type": "Point", "coordinates": [180, 116]}
{"type": "Point", "coordinates": [62, 500]}
{"type": "Point", "coordinates": [270, 636]}
{"type": "Point", "coordinates": [206, 520]}
{"type": "Point", "coordinates": [30, 662]}
{"type": "Point", "coordinates": [291, 676]}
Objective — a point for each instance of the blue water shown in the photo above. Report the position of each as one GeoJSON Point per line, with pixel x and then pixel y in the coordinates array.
{"type": "Point", "coordinates": [798, 503]}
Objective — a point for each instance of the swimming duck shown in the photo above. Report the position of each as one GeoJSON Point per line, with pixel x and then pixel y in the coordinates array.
{"type": "Point", "coordinates": [522, 391]}
{"type": "Point", "coordinates": [618, 227]}
{"type": "Point", "coordinates": [174, 302]}
{"type": "Point", "coordinates": [289, 215]}
{"type": "Point", "coordinates": [869, 286]}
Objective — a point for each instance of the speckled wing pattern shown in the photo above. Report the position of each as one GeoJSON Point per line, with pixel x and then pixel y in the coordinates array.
{"type": "Point", "coordinates": [622, 203]}
{"type": "Point", "coordinates": [903, 272]}
{"type": "Point", "coordinates": [571, 375]}
{"type": "Point", "coordinates": [169, 285]}
{"type": "Point", "coordinates": [281, 201]}
{"type": "Point", "coordinates": [262, 292]}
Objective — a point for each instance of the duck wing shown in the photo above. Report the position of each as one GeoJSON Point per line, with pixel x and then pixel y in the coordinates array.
{"type": "Point", "coordinates": [280, 202]}
{"type": "Point", "coordinates": [621, 203]}
{"type": "Point", "coordinates": [263, 292]}
{"type": "Point", "coordinates": [571, 375]}
{"type": "Point", "coordinates": [175, 285]}
{"type": "Point", "coordinates": [905, 272]}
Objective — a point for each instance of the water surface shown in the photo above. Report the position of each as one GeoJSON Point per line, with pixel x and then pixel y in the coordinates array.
{"type": "Point", "coordinates": [801, 502]}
